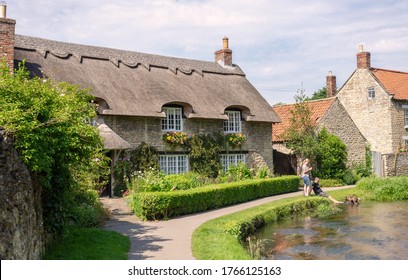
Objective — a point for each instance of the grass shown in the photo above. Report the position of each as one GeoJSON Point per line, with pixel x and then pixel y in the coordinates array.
{"type": "Point", "coordinates": [215, 239]}
{"type": "Point", "coordinates": [89, 244]}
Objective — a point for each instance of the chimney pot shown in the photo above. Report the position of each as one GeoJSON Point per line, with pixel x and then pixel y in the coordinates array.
{"type": "Point", "coordinates": [3, 9]}
{"type": "Point", "coordinates": [225, 42]}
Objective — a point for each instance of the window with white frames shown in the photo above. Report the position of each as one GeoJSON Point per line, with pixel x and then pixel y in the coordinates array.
{"type": "Point", "coordinates": [173, 164]}
{"type": "Point", "coordinates": [233, 124]}
{"type": "Point", "coordinates": [173, 120]}
{"type": "Point", "coordinates": [371, 93]}
{"type": "Point", "coordinates": [228, 160]}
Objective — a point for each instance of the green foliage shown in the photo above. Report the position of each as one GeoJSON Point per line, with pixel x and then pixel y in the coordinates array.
{"type": "Point", "coordinates": [89, 244]}
{"type": "Point", "coordinates": [239, 172]}
{"type": "Point", "coordinates": [49, 123]}
{"type": "Point", "coordinates": [331, 183]}
{"type": "Point", "coordinates": [326, 209]}
{"type": "Point", "coordinates": [163, 205]}
{"type": "Point", "coordinates": [384, 189]}
{"type": "Point", "coordinates": [300, 135]}
{"type": "Point", "coordinates": [332, 156]}
{"type": "Point", "coordinates": [205, 154]}
{"type": "Point", "coordinates": [143, 158]}
{"type": "Point", "coordinates": [319, 94]}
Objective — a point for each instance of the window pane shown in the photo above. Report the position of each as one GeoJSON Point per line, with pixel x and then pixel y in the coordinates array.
{"type": "Point", "coordinates": [173, 119]}
{"type": "Point", "coordinates": [234, 121]}
{"type": "Point", "coordinates": [173, 164]}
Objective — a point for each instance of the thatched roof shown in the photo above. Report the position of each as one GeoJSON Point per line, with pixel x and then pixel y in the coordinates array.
{"type": "Point", "coordinates": [137, 84]}
{"type": "Point", "coordinates": [111, 140]}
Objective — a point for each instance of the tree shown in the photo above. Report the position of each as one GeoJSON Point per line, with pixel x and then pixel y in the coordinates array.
{"type": "Point", "coordinates": [301, 134]}
{"type": "Point", "coordinates": [49, 123]}
{"type": "Point", "coordinates": [319, 94]}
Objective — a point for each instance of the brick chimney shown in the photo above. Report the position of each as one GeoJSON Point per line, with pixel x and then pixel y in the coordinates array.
{"type": "Point", "coordinates": [331, 87]}
{"type": "Point", "coordinates": [224, 56]}
{"type": "Point", "coordinates": [363, 58]}
{"type": "Point", "coordinates": [7, 30]}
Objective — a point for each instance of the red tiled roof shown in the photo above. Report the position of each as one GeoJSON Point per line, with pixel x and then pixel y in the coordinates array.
{"type": "Point", "coordinates": [317, 107]}
{"type": "Point", "coordinates": [395, 82]}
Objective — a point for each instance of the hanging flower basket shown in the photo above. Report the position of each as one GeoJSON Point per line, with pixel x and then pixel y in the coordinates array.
{"type": "Point", "coordinates": [235, 139]}
{"type": "Point", "coordinates": [175, 138]}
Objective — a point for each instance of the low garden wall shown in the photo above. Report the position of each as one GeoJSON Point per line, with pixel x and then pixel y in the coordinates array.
{"type": "Point", "coordinates": [163, 205]}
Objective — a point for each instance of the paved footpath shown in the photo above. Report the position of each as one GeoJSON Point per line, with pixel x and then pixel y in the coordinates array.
{"type": "Point", "coordinates": [169, 240]}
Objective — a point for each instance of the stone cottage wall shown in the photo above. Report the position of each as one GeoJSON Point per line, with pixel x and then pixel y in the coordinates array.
{"type": "Point", "coordinates": [136, 130]}
{"type": "Point", "coordinates": [371, 116]}
{"type": "Point", "coordinates": [21, 223]}
{"type": "Point", "coordinates": [395, 165]}
{"type": "Point", "coordinates": [338, 122]}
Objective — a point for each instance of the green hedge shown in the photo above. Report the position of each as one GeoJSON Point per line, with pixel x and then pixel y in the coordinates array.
{"type": "Point", "coordinates": [163, 205]}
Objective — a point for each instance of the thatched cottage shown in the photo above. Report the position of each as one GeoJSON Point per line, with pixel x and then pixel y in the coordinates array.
{"type": "Point", "coordinates": [142, 96]}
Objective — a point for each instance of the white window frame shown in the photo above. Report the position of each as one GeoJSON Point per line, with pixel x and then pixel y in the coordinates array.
{"type": "Point", "coordinates": [234, 123]}
{"type": "Point", "coordinates": [173, 164]}
{"type": "Point", "coordinates": [228, 160]}
{"type": "Point", "coordinates": [173, 120]}
{"type": "Point", "coordinates": [405, 107]}
{"type": "Point", "coordinates": [371, 92]}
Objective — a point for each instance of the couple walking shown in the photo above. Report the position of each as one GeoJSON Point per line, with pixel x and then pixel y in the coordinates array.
{"type": "Point", "coordinates": [306, 172]}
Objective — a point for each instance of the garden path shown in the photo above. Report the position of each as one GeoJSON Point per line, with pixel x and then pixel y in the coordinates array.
{"type": "Point", "coordinates": [169, 240]}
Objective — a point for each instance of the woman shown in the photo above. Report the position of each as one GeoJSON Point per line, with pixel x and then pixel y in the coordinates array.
{"type": "Point", "coordinates": [305, 174]}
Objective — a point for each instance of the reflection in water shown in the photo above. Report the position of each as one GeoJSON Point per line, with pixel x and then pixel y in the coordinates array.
{"type": "Point", "coordinates": [372, 230]}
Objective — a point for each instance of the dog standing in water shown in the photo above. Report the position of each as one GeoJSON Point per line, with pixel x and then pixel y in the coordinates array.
{"type": "Point", "coordinates": [352, 199]}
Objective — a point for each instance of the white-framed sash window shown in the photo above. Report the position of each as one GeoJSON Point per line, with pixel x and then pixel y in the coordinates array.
{"type": "Point", "coordinates": [173, 120]}
{"type": "Point", "coordinates": [228, 160]}
{"type": "Point", "coordinates": [233, 124]}
{"type": "Point", "coordinates": [173, 164]}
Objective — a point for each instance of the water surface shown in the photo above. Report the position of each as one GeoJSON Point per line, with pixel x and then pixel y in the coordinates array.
{"type": "Point", "coordinates": [370, 231]}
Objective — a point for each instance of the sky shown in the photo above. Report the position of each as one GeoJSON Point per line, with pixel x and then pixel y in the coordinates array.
{"type": "Point", "coordinates": [283, 46]}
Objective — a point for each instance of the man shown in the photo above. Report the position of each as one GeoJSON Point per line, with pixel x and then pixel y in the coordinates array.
{"type": "Point", "coordinates": [318, 191]}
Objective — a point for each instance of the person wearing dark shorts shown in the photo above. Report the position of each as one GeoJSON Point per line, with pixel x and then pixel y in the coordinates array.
{"type": "Point", "coordinates": [318, 191]}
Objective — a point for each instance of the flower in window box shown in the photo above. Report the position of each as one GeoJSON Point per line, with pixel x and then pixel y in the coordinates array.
{"type": "Point", "coordinates": [176, 138]}
{"type": "Point", "coordinates": [235, 139]}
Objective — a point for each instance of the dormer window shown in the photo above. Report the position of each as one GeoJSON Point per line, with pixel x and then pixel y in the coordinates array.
{"type": "Point", "coordinates": [173, 120]}
{"type": "Point", "coordinates": [371, 92]}
{"type": "Point", "coordinates": [233, 124]}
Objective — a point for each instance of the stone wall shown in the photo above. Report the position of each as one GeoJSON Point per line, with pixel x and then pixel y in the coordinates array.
{"type": "Point", "coordinates": [395, 165]}
{"type": "Point", "coordinates": [136, 130]}
{"type": "Point", "coordinates": [21, 224]}
{"type": "Point", "coordinates": [338, 122]}
{"type": "Point", "coordinates": [371, 116]}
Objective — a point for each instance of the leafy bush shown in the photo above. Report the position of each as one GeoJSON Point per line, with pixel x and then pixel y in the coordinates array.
{"type": "Point", "coordinates": [50, 126]}
{"type": "Point", "coordinates": [239, 172]}
{"type": "Point", "coordinates": [384, 189]}
{"type": "Point", "coordinates": [332, 156]}
{"type": "Point", "coordinates": [331, 183]}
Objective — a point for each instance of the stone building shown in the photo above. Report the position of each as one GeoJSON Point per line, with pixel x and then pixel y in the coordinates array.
{"type": "Point", "coordinates": [377, 101]}
{"type": "Point", "coordinates": [328, 113]}
{"type": "Point", "coordinates": [141, 96]}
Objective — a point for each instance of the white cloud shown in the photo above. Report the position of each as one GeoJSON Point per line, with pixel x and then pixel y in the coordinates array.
{"type": "Point", "coordinates": [279, 44]}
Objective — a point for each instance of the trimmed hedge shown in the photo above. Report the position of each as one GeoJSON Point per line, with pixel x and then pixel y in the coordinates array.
{"type": "Point", "coordinates": [163, 205]}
